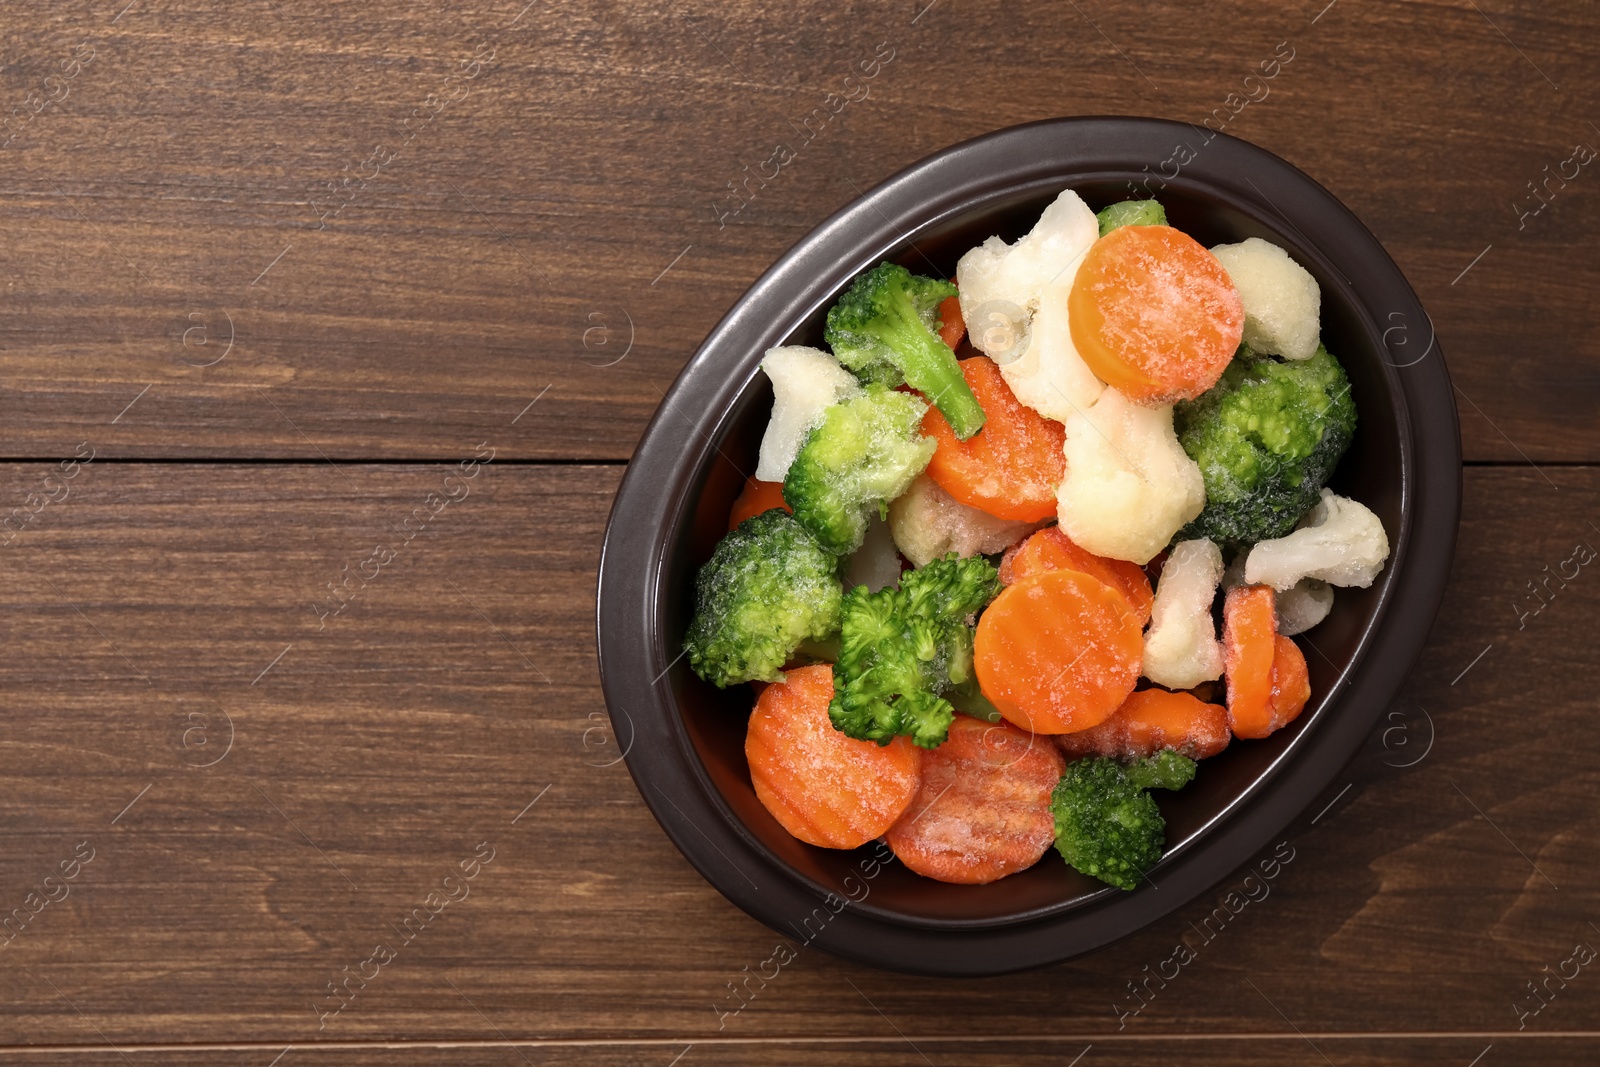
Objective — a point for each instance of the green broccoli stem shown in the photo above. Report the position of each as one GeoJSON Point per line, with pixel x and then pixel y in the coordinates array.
{"type": "Point", "coordinates": [933, 370]}
{"type": "Point", "coordinates": [883, 328]}
{"type": "Point", "coordinates": [969, 700]}
{"type": "Point", "coordinates": [1131, 213]}
{"type": "Point", "coordinates": [820, 649]}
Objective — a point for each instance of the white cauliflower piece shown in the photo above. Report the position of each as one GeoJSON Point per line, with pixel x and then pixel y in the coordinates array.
{"type": "Point", "coordinates": [928, 522]}
{"type": "Point", "coordinates": [1014, 301]}
{"type": "Point", "coordinates": [1130, 486]}
{"type": "Point", "coordinates": [1050, 377]}
{"type": "Point", "coordinates": [995, 271]}
{"type": "Point", "coordinates": [1303, 605]}
{"type": "Point", "coordinates": [805, 382]}
{"type": "Point", "coordinates": [1300, 607]}
{"type": "Point", "coordinates": [1181, 647]}
{"type": "Point", "coordinates": [1339, 541]}
{"type": "Point", "coordinates": [875, 564]}
{"type": "Point", "coordinates": [1282, 302]}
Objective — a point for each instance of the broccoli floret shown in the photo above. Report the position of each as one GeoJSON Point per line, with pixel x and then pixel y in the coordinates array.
{"type": "Point", "coordinates": [768, 586]}
{"type": "Point", "coordinates": [900, 649]}
{"type": "Point", "coordinates": [1131, 213]}
{"type": "Point", "coordinates": [1107, 824]}
{"type": "Point", "coordinates": [865, 453]}
{"type": "Point", "coordinates": [885, 329]}
{"type": "Point", "coordinates": [1267, 437]}
{"type": "Point", "coordinates": [1167, 769]}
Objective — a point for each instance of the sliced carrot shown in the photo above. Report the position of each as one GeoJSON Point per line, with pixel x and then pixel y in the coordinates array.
{"type": "Point", "coordinates": [823, 787]}
{"type": "Point", "coordinates": [1149, 721]}
{"type": "Point", "coordinates": [755, 498]}
{"type": "Point", "coordinates": [1013, 466]}
{"type": "Point", "coordinates": [1291, 683]}
{"type": "Point", "coordinates": [983, 811]}
{"type": "Point", "coordinates": [1058, 651]}
{"type": "Point", "coordinates": [1154, 314]}
{"type": "Point", "coordinates": [1051, 549]}
{"type": "Point", "coordinates": [952, 327]}
{"type": "Point", "coordinates": [1249, 632]}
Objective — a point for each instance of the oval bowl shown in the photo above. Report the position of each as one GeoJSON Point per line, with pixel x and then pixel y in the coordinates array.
{"type": "Point", "coordinates": [684, 739]}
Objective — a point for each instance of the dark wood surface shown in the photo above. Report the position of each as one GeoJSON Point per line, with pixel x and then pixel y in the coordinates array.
{"type": "Point", "coordinates": [265, 785]}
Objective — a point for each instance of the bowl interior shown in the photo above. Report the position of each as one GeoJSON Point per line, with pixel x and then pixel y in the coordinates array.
{"type": "Point", "coordinates": [1371, 472]}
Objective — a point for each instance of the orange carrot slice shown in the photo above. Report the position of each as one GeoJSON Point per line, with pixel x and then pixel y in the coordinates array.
{"type": "Point", "coordinates": [1058, 651]}
{"type": "Point", "coordinates": [823, 787]}
{"type": "Point", "coordinates": [1249, 632]}
{"type": "Point", "coordinates": [1051, 549]}
{"type": "Point", "coordinates": [1154, 314]}
{"type": "Point", "coordinates": [1149, 721]}
{"type": "Point", "coordinates": [1013, 466]}
{"type": "Point", "coordinates": [983, 811]}
{"type": "Point", "coordinates": [952, 327]}
{"type": "Point", "coordinates": [1291, 683]}
{"type": "Point", "coordinates": [755, 498]}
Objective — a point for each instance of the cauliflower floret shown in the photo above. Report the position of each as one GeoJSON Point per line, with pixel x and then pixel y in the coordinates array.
{"type": "Point", "coordinates": [1014, 301]}
{"type": "Point", "coordinates": [1303, 605]}
{"type": "Point", "coordinates": [928, 522]}
{"type": "Point", "coordinates": [1300, 607]}
{"type": "Point", "coordinates": [1050, 377]}
{"type": "Point", "coordinates": [1181, 647]}
{"type": "Point", "coordinates": [805, 382]}
{"type": "Point", "coordinates": [1282, 303]}
{"type": "Point", "coordinates": [1019, 272]}
{"type": "Point", "coordinates": [1340, 541]}
{"type": "Point", "coordinates": [1129, 485]}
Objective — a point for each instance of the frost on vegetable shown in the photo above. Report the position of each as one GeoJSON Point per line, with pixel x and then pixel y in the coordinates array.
{"type": "Point", "coordinates": [1014, 301]}
{"type": "Point", "coordinates": [805, 383]}
{"type": "Point", "coordinates": [1108, 826]}
{"type": "Point", "coordinates": [1340, 541]}
{"type": "Point", "coordinates": [1050, 377]}
{"type": "Point", "coordinates": [1181, 648]}
{"type": "Point", "coordinates": [1018, 272]}
{"type": "Point", "coordinates": [901, 649]}
{"type": "Point", "coordinates": [1300, 607]}
{"type": "Point", "coordinates": [928, 523]}
{"type": "Point", "coordinates": [1267, 436]}
{"type": "Point", "coordinates": [1129, 486]}
{"type": "Point", "coordinates": [885, 328]}
{"type": "Point", "coordinates": [767, 587]}
{"type": "Point", "coordinates": [1131, 213]}
{"type": "Point", "coordinates": [1303, 605]}
{"type": "Point", "coordinates": [1282, 303]}
{"type": "Point", "coordinates": [865, 453]}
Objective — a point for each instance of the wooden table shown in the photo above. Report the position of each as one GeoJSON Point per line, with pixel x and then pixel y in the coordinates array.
{"type": "Point", "coordinates": [280, 275]}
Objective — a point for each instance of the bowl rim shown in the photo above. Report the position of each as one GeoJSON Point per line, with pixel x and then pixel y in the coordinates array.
{"type": "Point", "coordinates": [652, 500]}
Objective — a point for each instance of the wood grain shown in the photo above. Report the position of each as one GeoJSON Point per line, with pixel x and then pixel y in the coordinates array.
{"type": "Point", "coordinates": [290, 391]}
{"type": "Point", "coordinates": [379, 751]}
{"type": "Point", "coordinates": [1534, 1051]}
{"type": "Point", "coordinates": [563, 222]}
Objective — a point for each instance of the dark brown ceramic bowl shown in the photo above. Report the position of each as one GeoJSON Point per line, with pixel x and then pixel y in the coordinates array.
{"type": "Point", "coordinates": [684, 739]}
